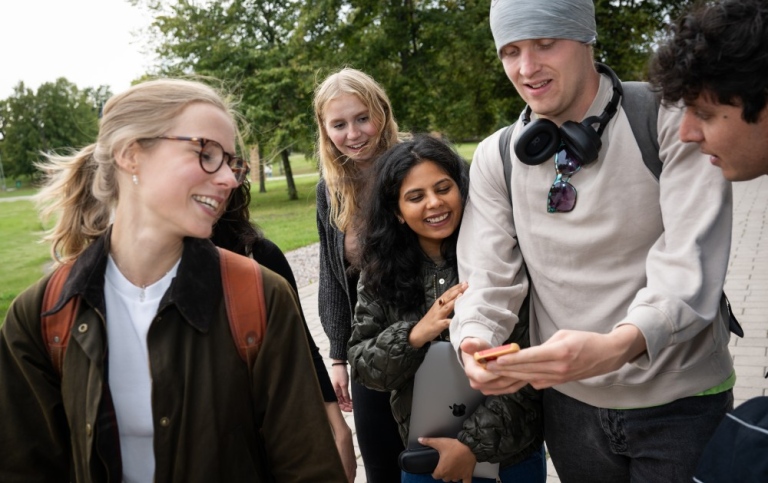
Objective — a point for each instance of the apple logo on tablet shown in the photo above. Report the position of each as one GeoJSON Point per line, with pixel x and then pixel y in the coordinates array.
{"type": "Point", "coordinates": [459, 410]}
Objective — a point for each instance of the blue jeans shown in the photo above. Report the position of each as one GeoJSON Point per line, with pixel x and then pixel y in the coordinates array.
{"type": "Point", "coordinates": [531, 470]}
{"type": "Point", "coordinates": [656, 444]}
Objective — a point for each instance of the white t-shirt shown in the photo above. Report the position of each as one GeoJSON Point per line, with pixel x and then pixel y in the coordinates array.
{"type": "Point", "coordinates": [130, 311]}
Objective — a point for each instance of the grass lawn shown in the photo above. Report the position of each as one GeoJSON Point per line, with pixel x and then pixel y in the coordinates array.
{"type": "Point", "coordinates": [466, 150]}
{"type": "Point", "coordinates": [290, 224]}
{"type": "Point", "coordinates": [23, 259]}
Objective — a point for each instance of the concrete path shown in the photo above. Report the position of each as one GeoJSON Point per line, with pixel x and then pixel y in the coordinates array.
{"type": "Point", "coordinates": [746, 286]}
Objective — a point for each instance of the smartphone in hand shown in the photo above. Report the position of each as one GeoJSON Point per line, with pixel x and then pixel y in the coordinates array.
{"type": "Point", "coordinates": [484, 356]}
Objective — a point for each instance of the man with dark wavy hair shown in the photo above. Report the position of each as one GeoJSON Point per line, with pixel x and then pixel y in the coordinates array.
{"type": "Point", "coordinates": [716, 61]}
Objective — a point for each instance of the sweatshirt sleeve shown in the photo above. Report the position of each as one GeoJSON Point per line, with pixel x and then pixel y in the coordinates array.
{"type": "Point", "coordinates": [297, 436]}
{"type": "Point", "coordinates": [687, 265]}
{"type": "Point", "coordinates": [497, 279]}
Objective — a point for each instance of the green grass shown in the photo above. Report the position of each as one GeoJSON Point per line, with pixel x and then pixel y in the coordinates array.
{"type": "Point", "coordinates": [22, 257]}
{"type": "Point", "coordinates": [466, 150]}
{"type": "Point", "coordinates": [290, 224]}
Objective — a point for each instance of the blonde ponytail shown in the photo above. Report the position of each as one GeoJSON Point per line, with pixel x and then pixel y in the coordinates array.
{"type": "Point", "coordinates": [68, 196]}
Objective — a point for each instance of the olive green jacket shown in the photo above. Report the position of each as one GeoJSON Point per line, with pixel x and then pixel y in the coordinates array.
{"type": "Point", "coordinates": [504, 429]}
{"type": "Point", "coordinates": [206, 405]}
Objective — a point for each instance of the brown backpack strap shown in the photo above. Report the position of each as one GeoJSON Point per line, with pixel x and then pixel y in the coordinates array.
{"type": "Point", "coordinates": [57, 327]}
{"type": "Point", "coordinates": [246, 308]}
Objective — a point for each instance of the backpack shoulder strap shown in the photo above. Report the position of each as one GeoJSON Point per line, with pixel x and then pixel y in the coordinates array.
{"type": "Point", "coordinates": [56, 327]}
{"type": "Point", "coordinates": [244, 297]}
{"type": "Point", "coordinates": [505, 141]}
{"type": "Point", "coordinates": [641, 105]}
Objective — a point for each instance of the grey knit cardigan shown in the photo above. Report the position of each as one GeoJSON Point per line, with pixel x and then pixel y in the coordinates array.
{"type": "Point", "coordinates": [337, 294]}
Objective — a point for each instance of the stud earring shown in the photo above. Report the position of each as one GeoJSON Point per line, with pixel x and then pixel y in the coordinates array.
{"type": "Point", "coordinates": [400, 220]}
{"type": "Point", "coordinates": [135, 180]}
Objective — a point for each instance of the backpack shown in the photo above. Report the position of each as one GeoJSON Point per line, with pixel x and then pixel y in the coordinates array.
{"type": "Point", "coordinates": [241, 280]}
{"type": "Point", "coordinates": [738, 450]}
{"type": "Point", "coordinates": [641, 106]}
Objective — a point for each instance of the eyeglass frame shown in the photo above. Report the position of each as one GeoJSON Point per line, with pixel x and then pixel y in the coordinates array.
{"type": "Point", "coordinates": [203, 141]}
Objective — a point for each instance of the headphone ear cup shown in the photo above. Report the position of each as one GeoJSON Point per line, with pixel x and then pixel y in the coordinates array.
{"type": "Point", "coordinates": [582, 141]}
{"type": "Point", "coordinates": [537, 142]}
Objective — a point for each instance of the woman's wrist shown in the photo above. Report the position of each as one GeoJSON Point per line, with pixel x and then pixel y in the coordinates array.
{"type": "Point", "coordinates": [416, 337]}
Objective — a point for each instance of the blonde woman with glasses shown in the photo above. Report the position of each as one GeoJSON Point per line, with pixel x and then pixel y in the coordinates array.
{"type": "Point", "coordinates": [152, 386]}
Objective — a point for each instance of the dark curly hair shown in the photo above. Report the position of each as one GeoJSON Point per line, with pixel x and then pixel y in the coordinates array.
{"type": "Point", "coordinates": [718, 49]}
{"type": "Point", "coordinates": [234, 230]}
{"type": "Point", "coordinates": [391, 256]}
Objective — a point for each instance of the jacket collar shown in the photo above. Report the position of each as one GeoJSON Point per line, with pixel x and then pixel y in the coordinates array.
{"type": "Point", "coordinates": [196, 291]}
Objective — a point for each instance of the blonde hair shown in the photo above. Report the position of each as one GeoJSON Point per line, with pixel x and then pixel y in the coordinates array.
{"type": "Point", "coordinates": [341, 176]}
{"type": "Point", "coordinates": [82, 189]}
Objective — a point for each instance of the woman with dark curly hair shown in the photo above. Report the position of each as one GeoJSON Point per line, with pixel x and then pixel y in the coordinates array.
{"type": "Point", "coordinates": [407, 290]}
{"type": "Point", "coordinates": [715, 59]}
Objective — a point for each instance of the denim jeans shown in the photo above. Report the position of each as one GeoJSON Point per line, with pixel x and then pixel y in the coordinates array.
{"type": "Point", "coordinates": [531, 470]}
{"type": "Point", "coordinates": [655, 444]}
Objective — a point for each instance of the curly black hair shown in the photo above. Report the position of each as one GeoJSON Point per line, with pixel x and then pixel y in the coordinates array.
{"type": "Point", "coordinates": [719, 50]}
{"type": "Point", "coordinates": [234, 230]}
{"type": "Point", "coordinates": [391, 256]}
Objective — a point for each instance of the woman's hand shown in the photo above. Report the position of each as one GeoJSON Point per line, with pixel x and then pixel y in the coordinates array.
{"type": "Point", "coordinates": [456, 462]}
{"type": "Point", "coordinates": [340, 382]}
{"type": "Point", "coordinates": [343, 437]}
{"type": "Point", "coordinates": [436, 320]}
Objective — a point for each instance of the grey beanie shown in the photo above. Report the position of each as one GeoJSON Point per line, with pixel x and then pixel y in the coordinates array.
{"type": "Point", "coordinates": [515, 20]}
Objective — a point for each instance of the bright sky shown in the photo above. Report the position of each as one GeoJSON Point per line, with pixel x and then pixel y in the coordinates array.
{"type": "Point", "coordinates": [89, 42]}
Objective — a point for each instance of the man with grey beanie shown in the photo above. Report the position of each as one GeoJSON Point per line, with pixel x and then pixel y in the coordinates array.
{"type": "Point", "coordinates": [624, 266]}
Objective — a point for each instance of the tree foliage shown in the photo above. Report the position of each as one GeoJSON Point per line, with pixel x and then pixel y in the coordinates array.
{"type": "Point", "coordinates": [57, 117]}
{"type": "Point", "coordinates": [247, 44]}
{"type": "Point", "coordinates": [435, 58]}
{"type": "Point", "coordinates": [628, 30]}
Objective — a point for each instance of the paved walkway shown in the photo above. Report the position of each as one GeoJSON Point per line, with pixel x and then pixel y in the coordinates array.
{"type": "Point", "coordinates": [746, 286]}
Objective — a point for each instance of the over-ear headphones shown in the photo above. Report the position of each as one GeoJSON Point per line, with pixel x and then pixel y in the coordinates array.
{"type": "Point", "coordinates": [541, 138]}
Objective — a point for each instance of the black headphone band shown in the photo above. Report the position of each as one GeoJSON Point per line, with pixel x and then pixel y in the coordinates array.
{"type": "Point", "coordinates": [613, 104]}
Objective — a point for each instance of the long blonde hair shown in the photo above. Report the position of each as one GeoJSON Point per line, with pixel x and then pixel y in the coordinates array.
{"type": "Point", "coordinates": [341, 176]}
{"type": "Point", "coordinates": [81, 189]}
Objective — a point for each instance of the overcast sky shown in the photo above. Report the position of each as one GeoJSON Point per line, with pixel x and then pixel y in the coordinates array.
{"type": "Point", "coordinates": [89, 42]}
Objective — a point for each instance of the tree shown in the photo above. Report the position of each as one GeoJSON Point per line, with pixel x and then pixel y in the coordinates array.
{"type": "Point", "coordinates": [628, 30]}
{"type": "Point", "coordinates": [247, 43]}
{"type": "Point", "coordinates": [58, 117]}
{"type": "Point", "coordinates": [435, 58]}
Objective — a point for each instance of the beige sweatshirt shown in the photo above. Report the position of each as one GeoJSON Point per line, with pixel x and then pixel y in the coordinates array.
{"type": "Point", "coordinates": [635, 250]}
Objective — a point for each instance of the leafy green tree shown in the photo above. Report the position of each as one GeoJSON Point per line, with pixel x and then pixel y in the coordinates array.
{"type": "Point", "coordinates": [247, 44]}
{"type": "Point", "coordinates": [628, 30]}
{"type": "Point", "coordinates": [435, 58]}
{"type": "Point", "coordinates": [57, 117]}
